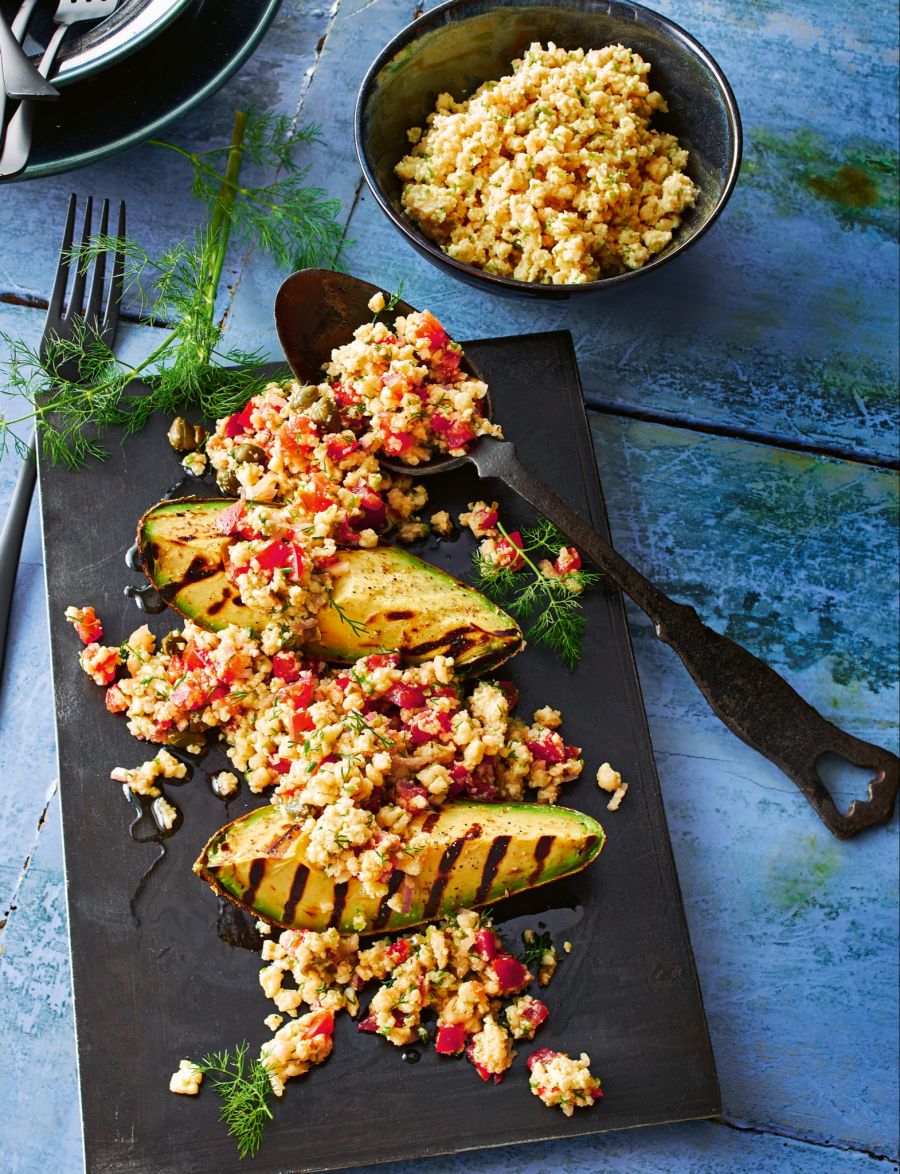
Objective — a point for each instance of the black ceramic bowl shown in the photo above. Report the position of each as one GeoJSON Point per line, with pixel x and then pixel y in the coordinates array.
{"type": "Point", "coordinates": [461, 44]}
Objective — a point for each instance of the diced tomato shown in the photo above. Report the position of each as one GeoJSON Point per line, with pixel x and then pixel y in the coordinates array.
{"type": "Point", "coordinates": [239, 424]}
{"type": "Point", "coordinates": [229, 520]}
{"type": "Point", "coordinates": [281, 766]}
{"type": "Point", "coordinates": [511, 974]}
{"type": "Point", "coordinates": [345, 535]}
{"type": "Point", "coordinates": [281, 554]}
{"type": "Point", "coordinates": [192, 658]}
{"type": "Point", "coordinates": [540, 1056]}
{"type": "Point", "coordinates": [406, 696]}
{"type": "Point", "coordinates": [457, 433]}
{"type": "Point", "coordinates": [314, 501]}
{"type": "Point", "coordinates": [397, 952]}
{"type": "Point", "coordinates": [116, 701]}
{"type": "Point", "coordinates": [382, 660]}
{"type": "Point", "coordinates": [486, 519]}
{"type": "Point", "coordinates": [373, 512]}
{"type": "Point", "coordinates": [427, 725]}
{"type": "Point", "coordinates": [301, 723]}
{"type": "Point", "coordinates": [596, 1094]}
{"type": "Point", "coordinates": [370, 1023]}
{"type": "Point", "coordinates": [320, 1023]}
{"type": "Point", "coordinates": [549, 748]}
{"type": "Point", "coordinates": [286, 666]}
{"type": "Point", "coordinates": [483, 783]}
{"type": "Point", "coordinates": [508, 552]}
{"type": "Point", "coordinates": [301, 691]}
{"type": "Point", "coordinates": [487, 944]}
{"type": "Point", "coordinates": [535, 1013]}
{"type": "Point", "coordinates": [396, 443]}
{"type": "Point", "coordinates": [567, 560]}
{"type": "Point", "coordinates": [338, 447]}
{"type": "Point", "coordinates": [86, 624]}
{"type": "Point", "coordinates": [431, 330]}
{"type": "Point", "coordinates": [461, 778]}
{"type": "Point", "coordinates": [450, 1039]}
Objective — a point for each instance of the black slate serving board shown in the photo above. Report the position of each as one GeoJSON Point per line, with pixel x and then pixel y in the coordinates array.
{"type": "Point", "coordinates": [154, 980]}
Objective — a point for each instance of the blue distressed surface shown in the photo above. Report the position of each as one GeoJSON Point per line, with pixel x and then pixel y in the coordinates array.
{"type": "Point", "coordinates": [782, 321]}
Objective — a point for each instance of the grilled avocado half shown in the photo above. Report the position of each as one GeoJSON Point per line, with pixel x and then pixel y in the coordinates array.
{"type": "Point", "coordinates": [478, 853]}
{"type": "Point", "coordinates": [396, 601]}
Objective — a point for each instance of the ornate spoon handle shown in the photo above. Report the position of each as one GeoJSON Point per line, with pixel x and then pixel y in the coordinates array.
{"type": "Point", "coordinates": [751, 698]}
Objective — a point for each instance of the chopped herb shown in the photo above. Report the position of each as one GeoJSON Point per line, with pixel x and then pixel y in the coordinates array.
{"type": "Point", "coordinates": [245, 1090]}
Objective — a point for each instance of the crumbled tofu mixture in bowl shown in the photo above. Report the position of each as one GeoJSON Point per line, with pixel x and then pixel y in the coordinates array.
{"type": "Point", "coordinates": [553, 173]}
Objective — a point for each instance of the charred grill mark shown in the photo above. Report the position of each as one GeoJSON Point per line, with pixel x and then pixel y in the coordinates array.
{"type": "Point", "coordinates": [384, 910]}
{"type": "Point", "coordinates": [399, 615]}
{"type": "Point", "coordinates": [198, 568]}
{"type": "Point", "coordinates": [589, 843]}
{"type": "Point", "coordinates": [494, 856]}
{"type": "Point", "coordinates": [214, 608]}
{"type": "Point", "coordinates": [450, 857]}
{"type": "Point", "coordinates": [298, 884]}
{"type": "Point", "coordinates": [282, 841]}
{"type": "Point", "coordinates": [541, 852]}
{"type": "Point", "coordinates": [257, 872]}
{"type": "Point", "coordinates": [430, 821]}
{"type": "Point", "coordinates": [340, 900]}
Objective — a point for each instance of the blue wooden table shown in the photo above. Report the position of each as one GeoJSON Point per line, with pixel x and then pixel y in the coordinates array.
{"type": "Point", "coordinates": [746, 426]}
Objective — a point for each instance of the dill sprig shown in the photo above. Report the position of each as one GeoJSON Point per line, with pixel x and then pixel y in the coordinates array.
{"type": "Point", "coordinates": [552, 604]}
{"type": "Point", "coordinates": [189, 367]}
{"type": "Point", "coordinates": [245, 1090]}
{"type": "Point", "coordinates": [535, 946]}
{"type": "Point", "coordinates": [357, 627]}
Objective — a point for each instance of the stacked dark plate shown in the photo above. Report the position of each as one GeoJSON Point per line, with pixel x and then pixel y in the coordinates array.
{"type": "Point", "coordinates": [124, 78]}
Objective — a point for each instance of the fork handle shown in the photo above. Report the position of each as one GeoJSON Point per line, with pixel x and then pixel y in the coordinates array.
{"type": "Point", "coordinates": [19, 28]}
{"type": "Point", "coordinates": [17, 144]}
{"type": "Point", "coordinates": [11, 541]}
{"type": "Point", "coordinates": [750, 697]}
{"type": "Point", "coordinates": [20, 78]}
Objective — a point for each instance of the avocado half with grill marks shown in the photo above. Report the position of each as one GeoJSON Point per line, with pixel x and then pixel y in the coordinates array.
{"type": "Point", "coordinates": [477, 853]}
{"type": "Point", "coordinates": [396, 601]}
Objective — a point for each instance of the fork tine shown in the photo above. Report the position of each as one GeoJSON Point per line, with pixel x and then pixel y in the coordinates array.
{"type": "Point", "coordinates": [74, 307]}
{"type": "Point", "coordinates": [95, 293]}
{"type": "Point", "coordinates": [114, 298]}
{"type": "Point", "coordinates": [54, 309]}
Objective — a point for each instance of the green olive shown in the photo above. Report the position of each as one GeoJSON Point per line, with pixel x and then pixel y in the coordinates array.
{"type": "Point", "coordinates": [172, 644]}
{"type": "Point", "coordinates": [184, 436]}
{"type": "Point", "coordinates": [249, 454]}
{"type": "Point", "coordinates": [228, 482]}
{"type": "Point", "coordinates": [325, 412]}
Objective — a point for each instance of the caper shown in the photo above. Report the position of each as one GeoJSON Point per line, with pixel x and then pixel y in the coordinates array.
{"type": "Point", "coordinates": [302, 397]}
{"type": "Point", "coordinates": [249, 454]}
{"type": "Point", "coordinates": [325, 412]}
{"type": "Point", "coordinates": [184, 436]}
{"type": "Point", "coordinates": [172, 644]}
{"type": "Point", "coordinates": [228, 482]}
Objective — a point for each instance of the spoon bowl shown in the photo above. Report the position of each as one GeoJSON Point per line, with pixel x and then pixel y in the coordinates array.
{"type": "Point", "coordinates": [317, 310]}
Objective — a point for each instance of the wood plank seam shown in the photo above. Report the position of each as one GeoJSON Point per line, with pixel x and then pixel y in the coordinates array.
{"type": "Point", "coordinates": [746, 1127]}
{"type": "Point", "coordinates": [12, 904]}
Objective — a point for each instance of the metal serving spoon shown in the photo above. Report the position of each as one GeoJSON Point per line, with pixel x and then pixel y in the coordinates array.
{"type": "Point", "coordinates": [317, 310]}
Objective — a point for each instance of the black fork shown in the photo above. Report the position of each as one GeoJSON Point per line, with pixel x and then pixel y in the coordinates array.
{"type": "Point", "coordinates": [99, 314]}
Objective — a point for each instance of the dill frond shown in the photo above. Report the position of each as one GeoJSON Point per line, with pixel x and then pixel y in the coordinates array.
{"type": "Point", "coordinates": [357, 627]}
{"type": "Point", "coordinates": [245, 1090]}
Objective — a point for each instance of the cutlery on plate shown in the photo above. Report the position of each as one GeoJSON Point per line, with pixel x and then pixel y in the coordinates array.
{"type": "Point", "coordinates": [18, 28]}
{"type": "Point", "coordinates": [17, 141]}
{"type": "Point", "coordinates": [317, 310]}
{"type": "Point", "coordinates": [100, 313]}
{"type": "Point", "coordinates": [20, 78]}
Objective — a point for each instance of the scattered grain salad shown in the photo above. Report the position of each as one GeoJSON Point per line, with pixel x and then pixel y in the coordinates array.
{"type": "Point", "coordinates": [611, 781]}
{"type": "Point", "coordinates": [352, 753]}
{"type": "Point", "coordinates": [506, 550]}
{"type": "Point", "coordinates": [561, 1081]}
{"type": "Point", "coordinates": [553, 173]}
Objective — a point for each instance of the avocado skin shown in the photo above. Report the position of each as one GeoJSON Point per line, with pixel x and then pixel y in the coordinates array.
{"type": "Point", "coordinates": [478, 854]}
{"type": "Point", "coordinates": [405, 604]}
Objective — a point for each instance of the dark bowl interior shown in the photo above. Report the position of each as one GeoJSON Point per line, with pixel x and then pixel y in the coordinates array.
{"type": "Point", "coordinates": [460, 45]}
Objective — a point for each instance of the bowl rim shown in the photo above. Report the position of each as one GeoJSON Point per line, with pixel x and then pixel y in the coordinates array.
{"type": "Point", "coordinates": [443, 14]}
